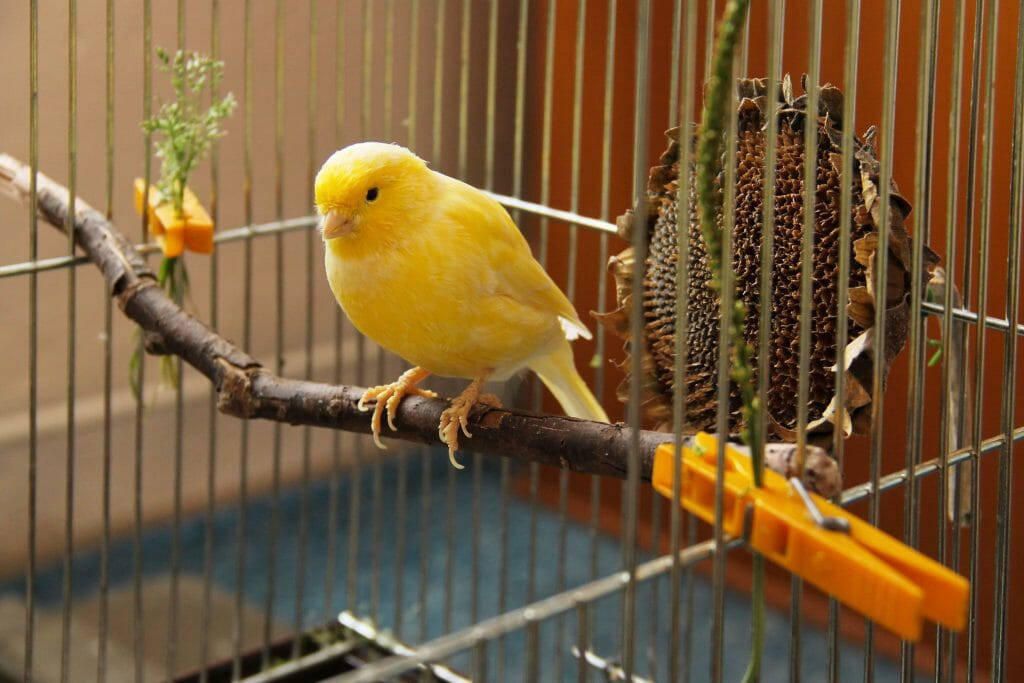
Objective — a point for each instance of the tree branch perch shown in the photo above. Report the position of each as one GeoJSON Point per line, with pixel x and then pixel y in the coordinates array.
{"type": "Point", "coordinates": [246, 389]}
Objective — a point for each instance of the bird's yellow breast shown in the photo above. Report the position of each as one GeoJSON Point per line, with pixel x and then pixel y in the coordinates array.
{"type": "Point", "coordinates": [437, 298]}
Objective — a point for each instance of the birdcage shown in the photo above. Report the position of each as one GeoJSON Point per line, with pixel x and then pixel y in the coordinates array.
{"type": "Point", "coordinates": [167, 518]}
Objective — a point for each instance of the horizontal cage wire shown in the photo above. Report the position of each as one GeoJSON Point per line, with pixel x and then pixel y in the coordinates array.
{"type": "Point", "coordinates": [155, 535]}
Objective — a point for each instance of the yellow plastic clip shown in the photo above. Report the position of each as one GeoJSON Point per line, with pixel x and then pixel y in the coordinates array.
{"type": "Point", "coordinates": [193, 230]}
{"type": "Point", "coordinates": [861, 566]}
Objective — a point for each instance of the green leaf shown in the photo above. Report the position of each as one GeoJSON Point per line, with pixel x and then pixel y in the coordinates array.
{"type": "Point", "coordinates": [182, 128]}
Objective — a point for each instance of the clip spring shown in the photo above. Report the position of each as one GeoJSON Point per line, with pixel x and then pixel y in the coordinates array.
{"type": "Point", "coordinates": [830, 522]}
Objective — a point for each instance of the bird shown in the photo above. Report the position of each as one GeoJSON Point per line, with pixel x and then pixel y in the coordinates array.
{"type": "Point", "coordinates": [437, 272]}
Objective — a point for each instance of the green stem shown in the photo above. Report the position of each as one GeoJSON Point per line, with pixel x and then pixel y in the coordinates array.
{"type": "Point", "coordinates": [710, 150]}
{"type": "Point", "coordinates": [753, 671]}
{"type": "Point", "coordinates": [709, 166]}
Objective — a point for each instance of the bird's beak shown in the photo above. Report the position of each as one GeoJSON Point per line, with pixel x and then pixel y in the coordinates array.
{"type": "Point", "coordinates": [336, 224]}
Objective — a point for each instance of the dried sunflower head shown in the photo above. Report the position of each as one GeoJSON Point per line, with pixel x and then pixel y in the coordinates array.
{"type": "Point", "coordinates": [659, 272]}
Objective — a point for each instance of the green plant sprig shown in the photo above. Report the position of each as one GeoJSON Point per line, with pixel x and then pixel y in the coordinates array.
{"type": "Point", "coordinates": [710, 149]}
{"type": "Point", "coordinates": [709, 165]}
{"type": "Point", "coordinates": [184, 129]}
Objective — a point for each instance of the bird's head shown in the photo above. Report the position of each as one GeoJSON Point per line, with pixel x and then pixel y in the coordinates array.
{"type": "Point", "coordinates": [364, 187]}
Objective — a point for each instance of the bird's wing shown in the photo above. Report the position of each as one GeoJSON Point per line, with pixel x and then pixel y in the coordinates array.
{"type": "Point", "coordinates": [506, 255]}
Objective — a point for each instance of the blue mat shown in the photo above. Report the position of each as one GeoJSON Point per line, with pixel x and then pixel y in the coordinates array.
{"type": "Point", "coordinates": [652, 631]}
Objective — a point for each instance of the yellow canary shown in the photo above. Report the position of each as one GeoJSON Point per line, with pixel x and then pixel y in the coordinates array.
{"type": "Point", "coordinates": [435, 271]}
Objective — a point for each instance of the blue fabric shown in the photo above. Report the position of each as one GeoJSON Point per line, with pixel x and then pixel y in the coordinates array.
{"type": "Point", "coordinates": [652, 614]}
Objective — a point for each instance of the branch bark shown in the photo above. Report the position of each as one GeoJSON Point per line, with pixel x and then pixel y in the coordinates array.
{"type": "Point", "coordinates": [247, 390]}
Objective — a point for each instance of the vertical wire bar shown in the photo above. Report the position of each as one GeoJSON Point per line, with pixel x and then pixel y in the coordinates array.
{"type": "Point", "coordinates": [72, 293]}
{"type": "Point", "coordinates": [743, 51]}
{"type": "Point", "coordinates": [147, 105]}
{"type": "Point", "coordinates": [889, 59]}
{"type": "Point", "coordinates": [211, 443]}
{"type": "Point", "coordinates": [517, 191]}
{"type": "Point", "coordinates": [389, 67]}
{"type": "Point", "coordinates": [709, 36]}
{"type": "Point", "coordinates": [980, 12]}
{"type": "Point", "coordinates": [427, 477]}
{"type": "Point", "coordinates": [691, 526]}
{"type": "Point", "coordinates": [402, 456]}
{"type": "Point", "coordinates": [179, 425]}
{"type": "Point", "coordinates": [492, 66]}
{"type": "Point", "coordinates": [399, 564]}
{"type": "Point", "coordinates": [273, 531]}
{"type": "Point", "coordinates": [463, 146]}
{"type": "Point", "coordinates": [850, 55]}
{"type": "Point", "coordinates": [1004, 501]}
{"type": "Point", "coordinates": [971, 470]}
{"type": "Point", "coordinates": [492, 51]}
{"type": "Point", "coordinates": [810, 182]}
{"type": "Point", "coordinates": [356, 477]}
{"type": "Point", "coordinates": [33, 333]}
{"type": "Point", "coordinates": [673, 78]}
{"type": "Point", "coordinates": [400, 510]}
{"type": "Point", "coordinates": [768, 248]}
{"type": "Point", "coordinates": [463, 141]}
{"type": "Point", "coordinates": [452, 483]}
{"type": "Point", "coordinates": [356, 485]}
{"type": "Point", "coordinates": [377, 473]}
{"type": "Point", "coordinates": [175, 560]}
{"type": "Point", "coordinates": [643, 27]}
{"type": "Point", "coordinates": [377, 479]}
{"type": "Point", "coordinates": [570, 292]}
{"type": "Point", "coordinates": [307, 434]}
{"type": "Point", "coordinates": [330, 570]}
{"type": "Point", "coordinates": [674, 120]}
{"type": "Point", "coordinates": [243, 461]}
{"type": "Point", "coordinates": [949, 422]}
{"type": "Point", "coordinates": [367, 103]}
{"type": "Point", "coordinates": [480, 660]}
{"type": "Point", "coordinates": [684, 218]}
{"type": "Point", "coordinates": [108, 324]}
{"type": "Point", "coordinates": [531, 668]}
{"type": "Point", "coordinates": [726, 296]}
{"type": "Point", "coordinates": [654, 584]}
{"type": "Point", "coordinates": [582, 642]}
{"type": "Point", "coordinates": [920, 231]}
{"type": "Point", "coordinates": [180, 23]}
{"type": "Point", "coordinates": [542, 257]}
{"type": "Point", "coordinates": [425, 543]}
{"type": "Point", "coordinates": [602, 282]}
{"type": "Point", "coordinates": [438, 100]}
{"type": "Point", "coordinates": [492, 84]}
{"type": "Point", "coordinates": [988, 87]}
{"type": "Point", "coordinates": [449, 548]}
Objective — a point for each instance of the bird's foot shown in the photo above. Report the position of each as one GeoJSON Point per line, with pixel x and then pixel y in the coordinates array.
{"type": "Point", "coordinates": [456, 416]}
{"type": "Point", "coordinates": [388, 396]}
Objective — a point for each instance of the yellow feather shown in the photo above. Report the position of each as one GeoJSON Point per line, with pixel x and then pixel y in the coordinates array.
{"type": "Point", "coordinates": [436, 272]}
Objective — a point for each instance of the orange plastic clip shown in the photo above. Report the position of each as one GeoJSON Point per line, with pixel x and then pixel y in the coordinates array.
{"type": "Point", "coordinates": [861, 566]}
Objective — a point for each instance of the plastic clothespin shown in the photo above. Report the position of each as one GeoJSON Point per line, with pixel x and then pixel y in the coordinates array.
{"type": "Point", "coordinates": [861, 566]}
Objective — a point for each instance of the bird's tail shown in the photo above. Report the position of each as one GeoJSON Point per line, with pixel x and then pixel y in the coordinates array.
{"type": "Point", "coordinates": [558, 372]}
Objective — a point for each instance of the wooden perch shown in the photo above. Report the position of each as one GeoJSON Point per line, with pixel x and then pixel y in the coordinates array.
{"type": "Point", "coordinates": [248, 390]}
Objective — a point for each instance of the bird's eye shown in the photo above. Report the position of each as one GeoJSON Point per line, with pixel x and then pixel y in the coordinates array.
{"type": "Point", "coordinates": [371, 194]}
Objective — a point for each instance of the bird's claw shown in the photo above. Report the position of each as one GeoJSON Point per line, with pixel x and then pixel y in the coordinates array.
{"type": "Point", "coordinates": [456, 418]}
{"type": "Point", "coordinates": [387, 397]}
